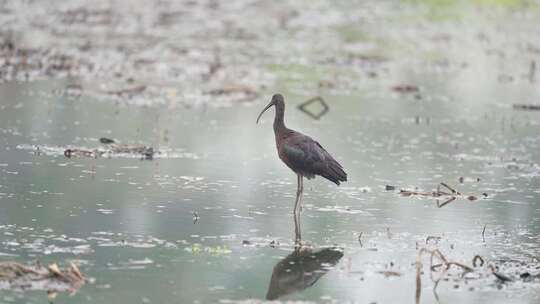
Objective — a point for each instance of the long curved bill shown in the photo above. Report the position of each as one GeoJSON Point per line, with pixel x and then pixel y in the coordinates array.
{"type": "Point", "coordinates": [266, 108]}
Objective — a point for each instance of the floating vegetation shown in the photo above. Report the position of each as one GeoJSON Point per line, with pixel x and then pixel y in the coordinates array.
{"type": "Point", "coordinates": [16, 276]}
{"type": "Point", "coordinates": [440, 269]}
{"type": "Point", "coordinates": [389, 273]}
{"type": "Point", "coordinates": [212, 250]}
{"type": "Point", "coordinates": [110, 150]}
{"type": "Point", "coordinates": [449, 197]}
{"type": "Point", "coordinates": [141, 151]}
{"type": "Point", "coordinates": [106, 141]}
{"type": "Point", "coordinates": [526, 107]}
{"type": "Point", "coordinates": [404, 111]}
{"type": "Point", "coordinates": [219, 56]}
{"type": "Point", "coordinates": [127, 92]}
{"type": "Point", "coordinates": [405, 88]}
{"type": "Point", "coordinates": [241, 92]}
{"type": "Point", "coordinates": [112, 61]}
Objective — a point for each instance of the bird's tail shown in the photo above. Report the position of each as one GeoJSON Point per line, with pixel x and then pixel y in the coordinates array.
{"type": "Point", "coordinates": [334, 173]}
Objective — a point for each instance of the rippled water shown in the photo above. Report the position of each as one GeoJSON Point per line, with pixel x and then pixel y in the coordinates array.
{"type": "Point", "coordinates": [208, 219]}
{"type": "Point", "coordinates": [213, 227]}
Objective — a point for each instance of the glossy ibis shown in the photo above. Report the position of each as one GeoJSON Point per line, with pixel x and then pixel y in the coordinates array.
{"type": "Point", "coordinates": [305, 156]}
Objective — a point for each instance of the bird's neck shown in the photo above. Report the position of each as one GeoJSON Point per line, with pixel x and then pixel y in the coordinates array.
{"type": "Point", "coordinates": [279, 123]}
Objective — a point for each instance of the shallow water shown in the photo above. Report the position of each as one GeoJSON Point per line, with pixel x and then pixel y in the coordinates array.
{"type": "Point", "coordinates": [212, 227]}
{"type": "Point", "coordinates": [209, 218]}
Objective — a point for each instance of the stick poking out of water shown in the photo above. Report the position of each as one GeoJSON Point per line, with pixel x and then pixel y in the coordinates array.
{"type": "Point", "coordinates": [444, 263]}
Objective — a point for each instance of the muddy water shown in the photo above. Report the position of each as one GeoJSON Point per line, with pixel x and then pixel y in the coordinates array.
{"type": "Point", "coordinates": [210, 222]}
{"type": "Point", "coordinates": [418, 95]}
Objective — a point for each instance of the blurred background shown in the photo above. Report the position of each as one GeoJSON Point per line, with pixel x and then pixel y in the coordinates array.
{"type": "Point", "coordinates": [418, 93]}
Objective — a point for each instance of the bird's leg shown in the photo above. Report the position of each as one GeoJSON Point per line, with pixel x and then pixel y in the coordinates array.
{"type": "Point", "coordinates": [301, 193]}
{"type": "Point", "coordinates": [297, 231]}
{"type": "Point", "coordinates": [298, 202]}
{"type": "Point", "coordinates": [296, 213]}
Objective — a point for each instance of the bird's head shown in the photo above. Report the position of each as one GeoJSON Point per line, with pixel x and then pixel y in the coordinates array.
{"type": "Point", "coordinates": [277, 100]}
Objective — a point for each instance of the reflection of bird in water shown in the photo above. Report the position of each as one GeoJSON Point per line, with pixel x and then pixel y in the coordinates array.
{"type": "Point", "coordinates": [300, 270]}
{"type": "Point", "coordinates": [305, 156]}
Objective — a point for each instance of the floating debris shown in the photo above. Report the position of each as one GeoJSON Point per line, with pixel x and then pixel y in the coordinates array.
{"type": "Point", "coordinates": [501, 277]}
{"type": "Point", "coordinates": [526, 107]}
{"type": "Point", "coordinates": [16, 276]}
{"type": "Point", "coordinates": [532, 71]}
{"type": "Point", "coordinates": [112, 150]}
{"type": "Point", "coordinates": [481, 269]}
{"type": "Point", "coordinates": [478, 258]}
{"type": "Point", "coordinates": [106, 141]}
{"type": "Point", "coordinates": [405, 88]}
{"type": "Point", "coordinates": [143, 151]}
{"type": "Point", "coordinates": [82, 153]}
{"type": "Point", "coordinates": [389, 274]}
{"type": "Point", "coordinates": [444, 264]}
{"type": "Point", "coordinates": [450, 196]}
{"type": "Point", "coordinates": [127, 92]}
{"type": "Point", "coordinates": [71, 90]}
{"type": "Point", "coordinates": [248, 93]}
{"type": "Point", "coordinates": [303, 107]}
{"type": "Point", "coordinates": [434, 238]}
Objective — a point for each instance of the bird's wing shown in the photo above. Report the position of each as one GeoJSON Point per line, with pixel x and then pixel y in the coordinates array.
{"type": "Point", "coordinates": [308, 156]}
{"type": "Point", "coordinates": [327, 155]}
{"type": "Point", "coordinates": [303, 154]}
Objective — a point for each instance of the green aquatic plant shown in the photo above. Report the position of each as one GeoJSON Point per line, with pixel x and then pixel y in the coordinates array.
{"type": "Point", "coordinates": [443, 10]}
{"type": "Point", "coordinates": [213, 250]}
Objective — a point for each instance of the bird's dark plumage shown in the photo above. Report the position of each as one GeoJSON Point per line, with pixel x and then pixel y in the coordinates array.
{"type": "Point", "coordinates": [308, 158]}
{"type": "Point", "coordinates": [305, 156]}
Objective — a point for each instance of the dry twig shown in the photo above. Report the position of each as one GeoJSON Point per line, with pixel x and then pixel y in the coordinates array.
{"type": "Point", "coordinates": [445, 264]}
{"type": "Point", "coordinates": [450, 196]}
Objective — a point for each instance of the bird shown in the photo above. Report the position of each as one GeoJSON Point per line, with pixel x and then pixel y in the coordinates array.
{"type": "Point", "coordinates": [302, 154]}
